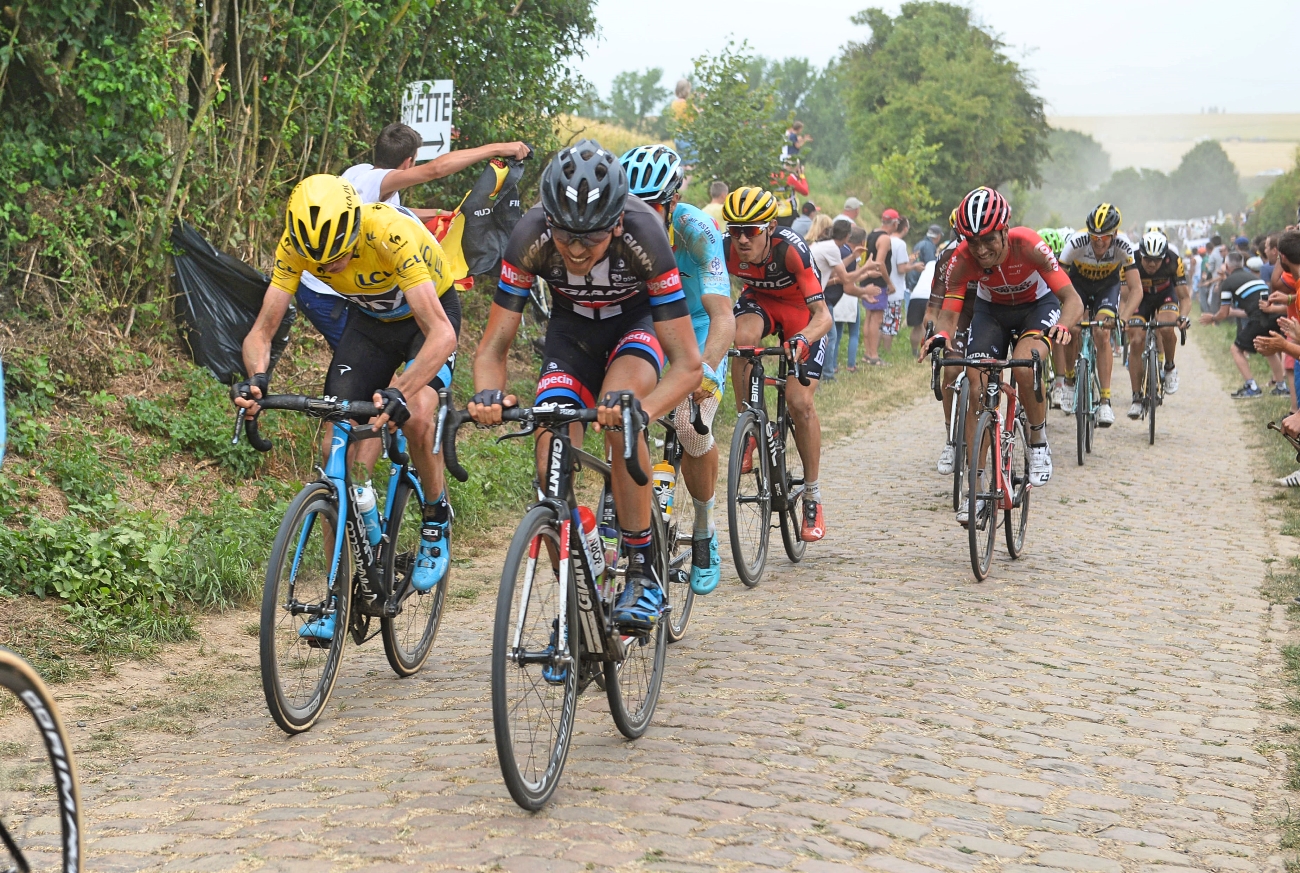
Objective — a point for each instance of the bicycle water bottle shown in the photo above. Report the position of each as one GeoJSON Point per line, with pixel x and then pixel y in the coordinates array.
{"type": "Point", "coordinates": [365, 496]}
{"type": "Point", "coordinates": [591, 540]}
{"type": "Point", "coordinates": [664, 481]}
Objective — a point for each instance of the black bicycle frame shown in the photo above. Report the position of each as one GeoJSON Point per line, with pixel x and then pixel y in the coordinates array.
{"type": "Point", "coordinates": [775, 429]}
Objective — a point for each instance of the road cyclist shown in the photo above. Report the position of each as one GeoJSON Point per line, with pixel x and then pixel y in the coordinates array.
{"type": "Point", "coordinates": [1021, 294]}
{"type": "Point", "coordinates": [1102, 267]}
{"type": "Point", "coordinates": [655, 174]}
{"type": "Point", "coordinates": [782, 295]}
{"type": "Point", "coordinates": [1167, 298]}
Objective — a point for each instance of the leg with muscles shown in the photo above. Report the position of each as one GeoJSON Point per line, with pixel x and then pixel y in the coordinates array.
{"type": "Point", "coordinates": [435, 533]}
{"type": "Point", "coordinates": [1168, 336]}
{"type": "Point", "coordinates": [1063, 357]}
{"type": "Point", "coordinates": [1105, 367]}
{"type": "Point", "coordinates": [1040, 456]}
{"type": "Point", "coordinates": [750, 328]}
{"type": "Point", "coordinates": [808, 440]}
{"type": "Point", "coordinates": [700, 470]}
{"type": "Point", "coordinates": [1136, 370]}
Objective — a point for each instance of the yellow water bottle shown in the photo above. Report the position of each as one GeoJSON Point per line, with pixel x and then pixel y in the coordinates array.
{"type": "Point", "coordinates": [665, 481]}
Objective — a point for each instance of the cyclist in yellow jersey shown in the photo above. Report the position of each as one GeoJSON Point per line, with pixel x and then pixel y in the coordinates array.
{"type": "Point", "coordinates": [404, 311]}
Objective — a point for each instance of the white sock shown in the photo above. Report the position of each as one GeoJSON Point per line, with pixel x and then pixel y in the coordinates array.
{"type": "Point", "coordinates": [704, 525]}
{"type": "Point", "coordinates": [812, 491]}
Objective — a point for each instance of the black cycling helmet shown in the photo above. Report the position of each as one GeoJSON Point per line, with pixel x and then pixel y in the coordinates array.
{"type": "Point", "coordinates": [583, 188]}
{"type": "Point", "coordinates": [1104, 219]}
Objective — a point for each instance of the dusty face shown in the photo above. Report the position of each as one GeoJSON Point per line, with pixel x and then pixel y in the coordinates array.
{"type": "Point", "coordinates": [990, 249]}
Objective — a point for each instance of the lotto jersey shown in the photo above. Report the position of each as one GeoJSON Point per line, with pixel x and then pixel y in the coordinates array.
{"type": "Point", "coordinates": [394, 253]}
{"type": "Point", "coordinates": [787, 273]}
{"type": "Point", "coordinates": [638, 266]}
{"type": "Point", "coordinates": [1170, 271]}
{"type": "Point", "coordinates": [1028, 272]}
{"type": "Point", "coordinates": [1089, 273]}
{"type": "Point", "coordinates": [697, 246]}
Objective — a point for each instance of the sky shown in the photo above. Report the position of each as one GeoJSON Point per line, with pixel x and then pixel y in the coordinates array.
{"type": "Point", "coordinates": [1161, 56]}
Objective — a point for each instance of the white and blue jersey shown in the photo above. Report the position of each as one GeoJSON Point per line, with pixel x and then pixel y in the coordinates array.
{"type": "Point", "coordinates": [697, 245]}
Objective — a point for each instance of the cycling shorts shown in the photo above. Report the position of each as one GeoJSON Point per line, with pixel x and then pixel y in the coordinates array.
{"type": "Point", "coordinates": [1158, 300]}
{"type": "Point", "coordinates": [994, 326]}
{"type": "Point", "coordinates": [783, 318]}
{"type": "Point", "coordinates": [1100, 303]}
{"type": "Point", "coordinates": [695, 444]}
{"type": "Point", "coordinates": [579, 350]}
{"type": "Point", "coordinates": [1257, 323]}
{"type": "Point", "coordinates": [370, 351]}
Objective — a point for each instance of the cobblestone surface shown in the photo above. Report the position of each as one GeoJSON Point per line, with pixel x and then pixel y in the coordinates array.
{"type": "Point", "coordinates": [1092, 707]}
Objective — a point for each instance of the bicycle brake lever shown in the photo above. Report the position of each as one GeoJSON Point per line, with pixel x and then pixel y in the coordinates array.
{"type": "Point", "coordinates": [528, 429]}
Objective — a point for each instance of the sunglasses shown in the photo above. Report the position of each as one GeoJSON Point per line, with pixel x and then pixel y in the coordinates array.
{"type": "Point", "coordinates": [588, 240]}
{"type": "Point", "coordinates": [1101, 237]}
{"type": "Point", "coordinates": [748, 231]}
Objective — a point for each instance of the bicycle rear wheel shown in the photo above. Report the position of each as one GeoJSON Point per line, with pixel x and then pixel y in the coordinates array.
{"type": "Point", "coordinates": [40, 804]}
{"type": "Point", "coordinates": [409, 635]}
{"type": "Point", "coordinates": [1096, 401]}
{"type": "Point", "coordinates": [981, 499]}
{"type": "Point", "coordinates": [1082, 408]}
{"type": "Point", "coordinates": [632, 685]}
{"type": "Point", "coordinates": [1153, 393]}
{"type": "Point", "coordinates": [749, 500]}
{"type": "Point", "coordinates": [534, 693]}
{"type": "Point", "coordinates": [1016, 520]}
{"type": "Point", "coordinates": [793, 479]}
{"type": "Point", "coordinates": [681, 529]}
{"type": "Point", "coordinates": [299, 669]}
{"type": "Point", "coordinates": [961, 408]}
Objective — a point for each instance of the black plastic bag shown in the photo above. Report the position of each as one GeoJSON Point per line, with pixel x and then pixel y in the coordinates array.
{"type": "Point", "coordinates": [217, 300]}
{"type": "Point", "coordinates": [489, 220]}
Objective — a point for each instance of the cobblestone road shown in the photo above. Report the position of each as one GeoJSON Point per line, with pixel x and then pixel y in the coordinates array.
{"type": "Point", "coordinates": [1094, 706]}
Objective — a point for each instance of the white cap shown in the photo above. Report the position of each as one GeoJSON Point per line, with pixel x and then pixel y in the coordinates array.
{"type": "Point", "coordinates": [1255, 264]}
{"type": "Point", "coordinates": [853, 203]}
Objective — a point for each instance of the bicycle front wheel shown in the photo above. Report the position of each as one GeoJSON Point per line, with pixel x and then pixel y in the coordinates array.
{"type": "Point", "coordinates": [632, 685]}
{"type": "Point", "coordinates": [409, 635]}
{"type": "Point", "coordinates": [961, 408]}
{"type": "Point", "coordinates": [1016, 474]}
{"type": "Point", "coordinates": [981, 496]}
{"type": "Point", "coordinates": [300, 660]}
{"type": "Point", "coordinates": [681, 529]}
{"type": "Point", "coordinates": [749, 498]}
{"type": "Point", "coordinates": [534, 687]}
{"type": "Point", "coordinates": [1096, 401]}
{"type": "Point", "coordinates": [40, 804]}
{"type": "Point", "coordinates": [1153, 393]}
{"type": "Point", "coordinates": [1082, 407]}
{"type": "Point", "coordinates": [793, 479]}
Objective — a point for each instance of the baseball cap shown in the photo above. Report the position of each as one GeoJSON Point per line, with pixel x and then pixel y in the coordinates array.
{"type": "Point", "coordinates": [1241, 241]}
{"type": "Point", "coordinates": [890, 215]}
{"type": "Point", "coordinates": [853, 203]}
{"type": "Point", "coordinates": [1255, 264]}
{"type": "Point", "coordinates": [935, 230]}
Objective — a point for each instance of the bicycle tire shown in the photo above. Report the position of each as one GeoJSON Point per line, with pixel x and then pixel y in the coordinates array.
{"type": "Point", "coordinates": [791, 525]}
{"type": "Point", "coordinates": [1153, 393]}
{"type": "Point", "coordinates": [749, 530]}
{"type": "Point", "coordinates": [679, 593]}
{"type": "Point", "coordinates": [1017, 478]}
{"type": "Point", "coordinates": [57, 795]}
{"type": "Point", "coordinates": [409, 635]}
{"type": "Point", "coordinates": [532, 781]}
{"type": "Point", "coordinates": [1082, 408]}
{"type": "Point", "coordinates": [632, 685]}
{"type": "Point", "coordinates": [1092, 419]}
{"type": "Point", "coordinates": [297, 709]}
{"type": "Point", "coordinates": [961, 402]}
{"type": "Point", "coordinates": [981, 527]}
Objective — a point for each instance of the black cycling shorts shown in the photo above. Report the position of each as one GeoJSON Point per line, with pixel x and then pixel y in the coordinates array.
{"type": "Point", "coordinates": [783, 318]}
{"type": "Point", "coordinates": [1100, 303]}
{"type": "Point", "coordinates": [993, 326]}
{"type": "Point", "coordinates": [579, 350]}
{"type": "Point", "coordinates": [1151, 303]}
{"type": "Point", "coordinates": [370, 352]}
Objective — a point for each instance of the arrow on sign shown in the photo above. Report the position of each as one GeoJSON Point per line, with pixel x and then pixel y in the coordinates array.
{"type": "Point", "coordinates": [436, 143]}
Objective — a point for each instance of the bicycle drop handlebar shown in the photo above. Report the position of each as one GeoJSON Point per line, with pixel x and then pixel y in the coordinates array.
{"type": "Point", "coordinates": [799, 368]}
{"type": "Point", "coordinates": [316, 407]}
{"type": "Point", "coordinates": [450, 421]}
{"type": "Point", "coordinates": [1155, 325]}
{"type": "Point", "coordinates": [991, 365]}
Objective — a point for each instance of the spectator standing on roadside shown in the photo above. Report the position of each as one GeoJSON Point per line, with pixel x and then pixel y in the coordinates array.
{"type": "Point", "coordinates": [803, 224]}
{"type": "Point", "coordinates": [717, 196]}
{"type": "Point", "coordinates": [901, 263]}
{"type": "Point", "coordinates": [1241, 294]}
{"type": "Point", "coordinates": [795, 138]}
{"type": "Point", "coordinates": [880, 249]}
{"type": "Point", "coordinates": [852, 207]}
{"type": "Point", "coordinates": [829, 251]}
{"type": "Point", "coordinates": [924, 252]}
{"type": "Point", "coordinates": [857, 244]}
{"type": "Point", "coordinates": [1210, 275]}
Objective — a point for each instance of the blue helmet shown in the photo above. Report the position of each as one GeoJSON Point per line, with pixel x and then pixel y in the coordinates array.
{"type": "Point", "coordinates": [654, 172]}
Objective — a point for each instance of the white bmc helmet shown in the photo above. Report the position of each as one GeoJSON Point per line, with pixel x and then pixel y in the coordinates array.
{"type": "Point", "coordinates": [1154, 244]}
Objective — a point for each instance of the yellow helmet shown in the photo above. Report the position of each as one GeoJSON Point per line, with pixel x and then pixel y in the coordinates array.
{"type": "Point", "coordinates": [749, 206]}
{"type": "Point", "coordinates": [952, 219]}
{"type": "Point", "coordinates": [323, 218]}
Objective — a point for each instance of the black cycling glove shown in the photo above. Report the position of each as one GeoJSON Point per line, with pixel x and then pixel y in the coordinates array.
{"type": "Point", "coordinates": [394, 406]}
{"type": "Point", "coordinates": [242, 389]}
{"type": "Point", "coordinates": [613, 398]}
{"type": "Point", "coordinates": [489, 397]}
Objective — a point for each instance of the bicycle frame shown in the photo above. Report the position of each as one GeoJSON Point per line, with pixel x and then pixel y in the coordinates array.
{"type": "Point", "coordinates": [776, 436]}
{"type": "Point", "coordinates": [990, 401]}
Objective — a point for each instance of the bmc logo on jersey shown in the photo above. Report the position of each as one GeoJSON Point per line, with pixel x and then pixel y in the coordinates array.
{"type": "Point", "coordinates": [668, 282]}
{"type": "Point", "coordinates": [512, 275]}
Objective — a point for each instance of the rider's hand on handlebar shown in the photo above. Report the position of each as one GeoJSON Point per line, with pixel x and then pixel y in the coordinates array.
{"type": "Point", "coordinates": [486, 405]}
{"type": "Point", "coordinates": [1184, 322]}
{"type": "Point", "coordinates": [799, 347]}
{"type": "Point", "coordinates": [393, 404]}
{"type": "Point", "coordinates": [710, 386]}
{"type": "Point", "coordinates": [1059, 333]}
{"type": "Point", "coordinates": [609, 412]}
{"type": "Point", "coordinates": [246, 393]}
{"type": "Point", "coordinates": [938, 339]}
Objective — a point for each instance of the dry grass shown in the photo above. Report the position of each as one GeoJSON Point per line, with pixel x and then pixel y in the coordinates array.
{"type": "Point", "coordinates": [571, 128]}
{"type": "Point", "coordinates": [1255, 143]}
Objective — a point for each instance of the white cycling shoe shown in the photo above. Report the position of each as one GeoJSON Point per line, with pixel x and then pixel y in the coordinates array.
{"type": "Point", "coordinates": [1040, 465]}
{"type": "Point", "coordinates": [1057, 390]}
{"type": "Point", "coordinates": [1171, 381]}
{"type": "Point", "coordinates": [1067, 399]}
{"type": "Point", "coordinates": [1135, 409]}
{"type": "Point", "coordinates": [963, 514]}
{"type": "Point", "coordinates": [947, 459]}
{"type": "Point", "coordinates": [1105, 415]}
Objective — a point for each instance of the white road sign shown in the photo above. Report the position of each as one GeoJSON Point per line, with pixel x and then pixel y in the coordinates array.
{"type": "Point", "coordinates": [426, 106]}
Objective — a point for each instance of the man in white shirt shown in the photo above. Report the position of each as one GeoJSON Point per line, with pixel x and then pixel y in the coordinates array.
{"type": "Point", "coordinates": [852, 207]}
{"type": "Point", "coordinates": [839, 284]}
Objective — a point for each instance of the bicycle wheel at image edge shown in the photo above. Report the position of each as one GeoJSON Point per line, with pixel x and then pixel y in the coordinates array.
{"type": "Point", "coordinates": [632, 685]}
{"type": "Point", "coordinates": [982, 523]}
{"type": "Point", "coordinates": [749, 501]}
{"type": "Point", "coordinates": [680, 530]}
{"type": "Point", "coordinates": [791, 521]}
{"type": "Point", "coordinates": [961, 409]}
{"type": "Point", "coordinates": [40, 803]}
{"type": "Point", "coordinates": [532, 715]}
{"type": "Point", "coordinates": [298, 669]}
{"type": "Point", "coordinates": [409, 635]}
{"type": "Point", "coordinates": [1016, 520]}
{"type": "Point", "coordinates": [1153, 395]}
{"type": "Point", "coordinates": [1082, 408]}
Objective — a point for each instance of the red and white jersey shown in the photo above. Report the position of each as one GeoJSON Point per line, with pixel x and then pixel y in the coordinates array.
{"type": "Point", "coordinates": [1028, 272]}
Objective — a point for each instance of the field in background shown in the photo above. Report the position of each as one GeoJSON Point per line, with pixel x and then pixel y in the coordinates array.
{"type": "Point", "coordinates": [1255, 143]}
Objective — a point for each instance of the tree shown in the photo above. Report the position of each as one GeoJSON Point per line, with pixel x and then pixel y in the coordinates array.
{"type": "Point", "coordinates": [1205, 182]}
{"type": "Point", "coordinates": [731, 126]}
{"type": "Point", "coordinates": [1076, 162]}
{"type": "Point", "coordinates": [898, 181]}
{"type": "Point", "coordinates": [931, 69]}
{"type": "Point", "coordinates": [1277, 208]}
{"type": "Point", "coordinates": [634, 95]}
{"type": "Point", "coordinates": [822, 110]}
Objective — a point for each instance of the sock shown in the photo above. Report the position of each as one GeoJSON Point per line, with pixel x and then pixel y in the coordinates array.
{"type": "Point", "coordinates": [704, 524]}
{"type": "Point", "coordinates": [638, 550]}
{"type": "Point", "coordinates": [812, 491]}
{"type": "Point", "coordinates": [1251, 384]}
{"type": "Point", "coordinates": [439, 510]}
{"type": "Point", "coordinates": [1069, 376]}
{"type": "Point", "coordinates": [1169, 365]}
{"type": "Point", "coordinates": [1038, 434]}
{"type": "Point", "coordinates": [1105, 395]}
{"type": "Point", "coordinates": [1060, 381]}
